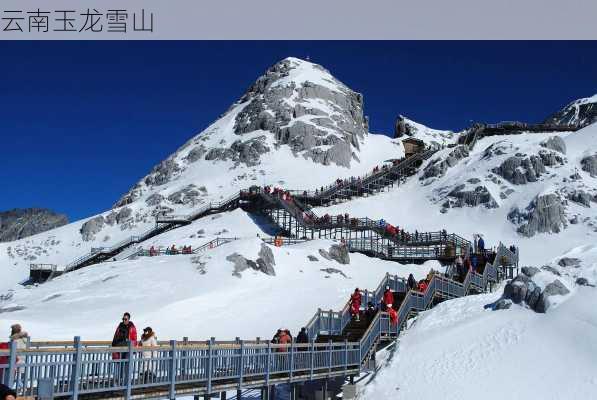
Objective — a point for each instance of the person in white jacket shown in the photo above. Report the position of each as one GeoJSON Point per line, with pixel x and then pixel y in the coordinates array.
{"type": "Point", "coordinates": [149, 339]}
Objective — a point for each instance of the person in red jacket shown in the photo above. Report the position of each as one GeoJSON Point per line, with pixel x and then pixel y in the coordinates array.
{"type": "Point", "coordinates": [393, 316]}
{"type": "Point", "coordinates": [388, 298]}
{"type": "Point", "coordinates": [125, 332]}
{"type": "Point", "coordinates": [423, 286]}
{"type": "Point", "coordinates": [355, 303]}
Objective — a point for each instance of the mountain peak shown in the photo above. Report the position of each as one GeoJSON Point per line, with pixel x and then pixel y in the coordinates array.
{"type": "Point", "coordinates": [581, 112]}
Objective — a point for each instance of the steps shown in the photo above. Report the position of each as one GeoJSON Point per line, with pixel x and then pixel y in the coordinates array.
{"type": "Point", "coordinates": [306, 223]}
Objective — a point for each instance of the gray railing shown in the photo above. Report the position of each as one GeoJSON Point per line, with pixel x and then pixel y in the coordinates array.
{"type": "Point", "coordinates": [80, 368]}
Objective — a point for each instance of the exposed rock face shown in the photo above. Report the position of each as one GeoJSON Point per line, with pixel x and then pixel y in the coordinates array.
{"type": "Point", "coordinates": [580, 112]}
{"type": "Point", "coordinates": [478, 196]}
{"type": "Point", "coordinates": [569, 262]}
{"type": "Point", "coordinates": [520, 170]}
{"type": "Point", "coordinates": [264, 263]}
{"type": "Point", "coordinates": [20, 223]}
{"type": "Point", "coordinates": [91, 227]}
{"type": "Point", "coordinates": [339, 253]}
{"type": "Point", "coordinates": [555, 143]}
{"type": "Point", "coordinates": [580, 197]}
{"type": "Point", "coordinates": [589, 164]}
{"type": "Point", "coordinates": [275, 103]}
{"type": "Point", "coordinates": [190, 194]}
{"type": "Point", "coordinates": [530, 271]}
{"type": "Point", "coordinates": [545, 214]}
{"type": "Point", "coordinates": [438, 167]}
{"type": "Point", "coordinates": [522, 289]}
{"type": "Point", "coordinates": [266, 260]}
{"type": "Point", "coordinates": [247, 152]}
{"type": "Point", "coordinates": [402, 128]}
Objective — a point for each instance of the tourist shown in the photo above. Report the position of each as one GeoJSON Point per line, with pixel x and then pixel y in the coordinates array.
{"type": "Point", "coordinates": [302, 338]}
{"type": "Point", "coordinates": [388, 298]}
{"type": "Point", "coordinates": [7, 393]}
{"type": "Point", "coordinates": [18, 335]}
{"type": "Point", "coordinates": [148, 339]}
{"type": "Point", "coordinates": [411, 282]}
{"type": "Point", "coordinates": [355, 304]}
{"type": "Point", "coordinates": [125, 332]}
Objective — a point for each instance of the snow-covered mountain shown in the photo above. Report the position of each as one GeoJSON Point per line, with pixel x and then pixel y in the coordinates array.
{"type": "Point", "coordinates": [580, 112]}
{"type": "Point", "coordinates": [300, 128]}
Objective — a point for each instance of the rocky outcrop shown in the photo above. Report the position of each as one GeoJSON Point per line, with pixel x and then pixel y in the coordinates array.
{"type": "Point", "coordinates": [438, 167]}
{"type": "Point", "coordinates": [580, 197]}
{"type": "Point", "coordinates": [569, 262]}
{"type": "Point", "coordinates": [545, 214]}
{"type": "Point", "coordinates": [580, 112]}
{"type": "Point", "coordinates": [555, 143]}
{"type": "Point", "coordinates": [520, 170]}
{"type": "Point", "coordinates": [339, 253]}
{"type": "Point", "coordinates": [91, 227]}
{"type": "Point", "coordinates": [475, 197]}
{"type": "Point", "coordinates": [269, 109]}
{"type": "Point", "coordinates": [241, 152]}
{"type": "Point", "coordinates": [589, 164]}
{"type": "Point", "coordinates": [119, 217]}
{"type": "Point", "coordinates": [190, 194]}
{"type": "Point", "coordinates": [264, 263]}
{"type": "Point", "coordinates": [20, 223]}
{"type": "Point", "coordinates": [522, 289]}
{"type": "Point", "coordinates": [266, 260]}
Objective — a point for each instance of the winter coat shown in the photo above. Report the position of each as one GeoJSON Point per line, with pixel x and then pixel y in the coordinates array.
{"type": "Point", "coordinates": [393, 316]}
{"type": "Point", "coordinates": [123, 334]}
{"type": "Point", "coordinates": [481, 244]}
{"type": "Point", "coordinates": [388, 297]}
{"type": "Point", "coordinates": [412, 283]}
{"type": "Point", "coordinates": [21, 340]}
{"type": "Point", "coordinates": [355, 302]}
{"type": "Point", "coordinates": [284, 339]}
{"type": "Point", "coordinates": [423, 286]}
{"type": "Point", "coordinates": [149, 341]}
{"type": "Point", "coordinates": [302, 337]}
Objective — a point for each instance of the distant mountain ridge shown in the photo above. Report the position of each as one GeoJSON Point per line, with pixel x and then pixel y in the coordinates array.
{"type": "Point", "coordinates": [20, 223]}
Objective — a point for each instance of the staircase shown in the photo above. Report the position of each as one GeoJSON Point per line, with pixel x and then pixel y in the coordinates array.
{"type": "Point", "coordinates": [296, 219]}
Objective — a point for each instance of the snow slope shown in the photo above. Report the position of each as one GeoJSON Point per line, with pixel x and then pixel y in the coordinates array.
{"type": "Point", "coordinates": [197, 296]}
{"type": "Point", "coordinates": [460, 350]}
{"type": "Point", "coordinates": [416, 205]}
{"type": "Point", "coordinates": [185, 182]}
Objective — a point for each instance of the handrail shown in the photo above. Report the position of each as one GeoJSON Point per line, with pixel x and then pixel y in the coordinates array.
{"type": "Point", "coordinates": [78, 367]}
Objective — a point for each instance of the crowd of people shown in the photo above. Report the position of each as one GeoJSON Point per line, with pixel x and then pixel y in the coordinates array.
{"type": "Point", "coordinates": [172, 250]}
{"type": "Point", "coordinates": [283, 336]}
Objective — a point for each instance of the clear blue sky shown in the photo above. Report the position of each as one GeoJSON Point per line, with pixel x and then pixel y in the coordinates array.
{"type": "Point", "coordinates": [81, 122]}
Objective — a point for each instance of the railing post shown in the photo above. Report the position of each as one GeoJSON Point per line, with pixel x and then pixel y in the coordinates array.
{"type": "Point", "coordinates": [291, 357]}
{"type": "Point", "coordinates": [241, 364]}
{"type": "Point", "coordinates": [267, 365]}
{"type": "Point", "coordinates": [172, 391]}
{"type": "Point", "coordinates": [76, 373]}
{"type": "Point", "coordinates": [345, 356]}
{"type": "Point", "coordinates": [129, 370]}
{"type": "Point", "coordinates": [312, 351]}
{"type": "Point", "coordinates": [331, 321]}
{"type": "Point", "coordinates": [209, 363]}
{"type": "Point", "coordinates": [330, 357]}
{"type": "Point", "coordinates": [183, 360]}
{"type": "Point", "coordinates": [12, 364]}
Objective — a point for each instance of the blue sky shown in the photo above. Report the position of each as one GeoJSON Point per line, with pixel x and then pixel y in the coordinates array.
{"type": "Point", "coordinates": [81, 122]}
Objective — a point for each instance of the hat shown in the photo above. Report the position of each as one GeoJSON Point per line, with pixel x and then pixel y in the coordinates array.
{"type": "Point", "coordinates": [387, 288]}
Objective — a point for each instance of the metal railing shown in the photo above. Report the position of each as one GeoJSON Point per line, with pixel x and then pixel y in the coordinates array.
{"type": "Point", "coordinates": [178, 368]}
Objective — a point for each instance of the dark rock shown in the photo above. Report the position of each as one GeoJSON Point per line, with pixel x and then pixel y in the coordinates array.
{"type": "Point", "coordinates": [502, 304]}
{"type": "Point", "coordinates": [555, 288]}
{"type": "Point", "coordinates": [312, 258]}
{"type": "Point", "coordinates": [479, 196]}
{"type": "Point", "coordinates": [533, 298]}
{"type": "Point", "coordinates": [266, 260]}
{"type": "Point", "coordinates": [162, 173]}
{"type": "Point", "coordinates": [333, 271]}
{"type": "Point", "coordinates": [339, 253]}
{"type": "Point", "coordinates": [569, 262]}
{"type": "Point", "coordinates": [582, 281]}
{"type": "Point", "coordinates": [154, 200]}
{"type": "Point", "coordinates": [20, 223]}
{"type": "Point", "coordinates": [438, 167]}
{"type": "Point", "coordinates": [581, 112]}
{"type": "Point", "coordinates": [325, 254]}
{"type": "Point", "coordinates": [91, 227]}
{"type": "Point", "coordinates": [555, 143]}
{"type": "Point", "coordinates": [589, 164]}
{"type": "Point", "coordinates": [580, 197]}
{"type": "Point", "coordinates": [545, 214]}
{"type": "Point", "coordinates": [551, 269]}
{"type": "Point", "coordinates": [521, 170]}
{"type": "Point", "coordinates": [187, 195]}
